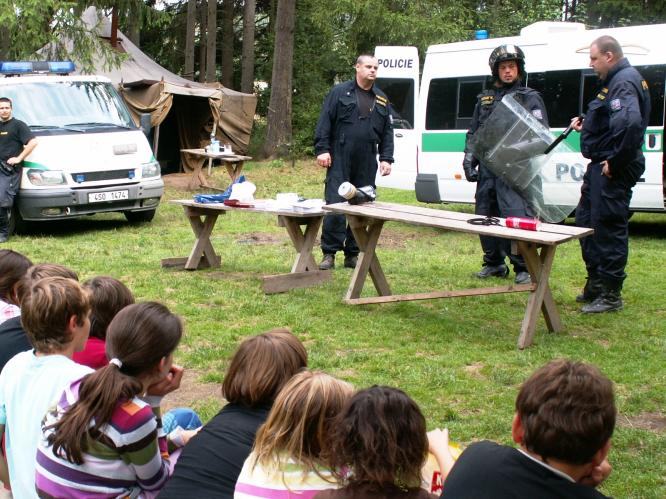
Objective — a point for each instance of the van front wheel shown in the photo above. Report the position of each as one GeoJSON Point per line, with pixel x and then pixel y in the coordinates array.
{"type": "Point", "coordinates": [136, 217]}
{"type": "Point", "coordinates": [16, 223]}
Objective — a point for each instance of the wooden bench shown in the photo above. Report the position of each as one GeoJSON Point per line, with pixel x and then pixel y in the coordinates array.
{"type": "Point", "coordinates": [302, 228]}
{"type": "Point", "coordinates": [537, 247]}
{"type": "Point", "coordinates": [232, 162]}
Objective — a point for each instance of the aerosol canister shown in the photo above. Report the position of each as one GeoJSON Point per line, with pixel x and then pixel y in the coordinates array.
{"type": "Point", "coordinates": [357, 195]}
{"type": "Point", "coordinates": [522, 223]}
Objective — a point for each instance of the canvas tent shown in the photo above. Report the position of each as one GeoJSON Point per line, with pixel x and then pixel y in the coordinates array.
{"type": "Point", "coordinates": [183, 112]}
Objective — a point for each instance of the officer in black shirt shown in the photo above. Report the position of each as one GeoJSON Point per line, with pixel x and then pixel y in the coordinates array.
{"type": "Point", "coordinates": [612, 138]}
{"type": "Point", "coordinates": [493, 196]}
{"type": "Point", "coordinates": [16, 142]}
{"type": "Point", "coordinates": [354, 126]}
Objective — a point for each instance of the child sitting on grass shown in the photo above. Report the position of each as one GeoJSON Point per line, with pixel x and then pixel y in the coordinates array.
{"type": "Point", "coordinates": [211, 462]}
{"type": "Point", "coordinates": [108, 296]}
{"type": "Point", "coordinates": [54, 312]}
{"type": "Point", "coordinates": [291, 456]}
{"type": "Point", "coordinates": [380, 446]}
{"type": "Point", "coordinates": [104, 438]}
{"type": "Point", "coordinates": [13, 267]}
{"type": "Point", "coordinates": [13, 338]}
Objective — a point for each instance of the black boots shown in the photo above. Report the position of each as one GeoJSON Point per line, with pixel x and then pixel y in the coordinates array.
{"type": "Point", "coordinates": [592, 290]}
{"type": "Point", "coordinates": [493, 271]}
{"type": "Point", "coordinates": [609, 299]}
{"type": "Point", "coordinates": [4, 224]}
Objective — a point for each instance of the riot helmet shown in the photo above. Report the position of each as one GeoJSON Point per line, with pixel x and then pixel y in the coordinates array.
{"type": "Point", "coordinates": [507, 53]}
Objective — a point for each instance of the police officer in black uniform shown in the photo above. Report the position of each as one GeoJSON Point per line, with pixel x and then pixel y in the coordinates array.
{"type": "Point", "coordinates": [354, 126]}
{"type": "Point", "coordinates": [16, 142]}
{"type": "Point", "coordinates": [612, 138]}
{"type": "Point", "coordinates": [493, 196]}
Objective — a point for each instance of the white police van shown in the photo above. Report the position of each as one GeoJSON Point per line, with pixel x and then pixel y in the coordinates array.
{"type": "Point", "coordinates": [557, 63]}
{"type": "Point", "coordinates": [90, 158]}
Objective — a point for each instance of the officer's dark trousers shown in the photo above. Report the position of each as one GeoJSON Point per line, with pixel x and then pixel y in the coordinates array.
{"type": "Point", "coordinates": [356, 164]}
{"type": "Point", "coordinates": [604, 207]}
{"type": "Point", "coordinates": [496, 199]}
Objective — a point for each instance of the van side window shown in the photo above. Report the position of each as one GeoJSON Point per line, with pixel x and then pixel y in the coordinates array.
{"type": "Point", "coordinates": [590, 88]}
{"type": "Point", "coordinates": [441, 105]}
{"type": "Point", "coordinates": [655, 76]}
{"type": "Point", "coordinates": [468, 90]}
{"type": "Point", "coordinates": [400, 93]}
{"type": "Point", "coordinates": [560, 91]}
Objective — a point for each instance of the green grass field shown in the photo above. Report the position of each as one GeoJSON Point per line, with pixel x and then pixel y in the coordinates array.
{"type": "Point", "coordinates": [456, 357]}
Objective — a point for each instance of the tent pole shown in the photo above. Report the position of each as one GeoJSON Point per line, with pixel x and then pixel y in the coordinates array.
{"type": "Point", "coordinates": [156, 140]}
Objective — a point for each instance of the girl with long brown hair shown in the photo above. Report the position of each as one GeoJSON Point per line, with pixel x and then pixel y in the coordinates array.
{"type": "Point", "coordinates": [104, 438]}
{"type": "Point", "coordinates": [291, 454]}
{"type": "Point", "coordinates": [379, 447]}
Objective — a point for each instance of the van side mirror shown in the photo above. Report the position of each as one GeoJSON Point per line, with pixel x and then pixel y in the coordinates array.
{"type": "Point", "coordinates": [144, 122]}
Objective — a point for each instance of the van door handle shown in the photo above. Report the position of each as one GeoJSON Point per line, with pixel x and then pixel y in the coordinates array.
{"type": "Point", "coordinates": [652, 140]}
{"type": "Point", "coordinates": [398, 135]}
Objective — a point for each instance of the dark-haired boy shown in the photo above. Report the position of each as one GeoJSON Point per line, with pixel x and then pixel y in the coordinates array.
{"type": "Point", "coordinates": [565, 416]}
{"type": "Point", "coordinates": [54, 312]}
{"type": "Point", "coordinates": [13, 339]}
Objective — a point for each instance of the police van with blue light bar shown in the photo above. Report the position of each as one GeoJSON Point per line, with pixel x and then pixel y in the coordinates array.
{"type": "Point", "coordinates": [90, 158]}
{"type": "Point", "coordinates": [434, 111]}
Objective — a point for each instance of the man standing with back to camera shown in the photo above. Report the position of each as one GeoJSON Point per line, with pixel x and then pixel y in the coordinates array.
{"type": "Point", "coordinates": [16, 143]}
{"type": "Point", "coordinates": [493, 196]}
{"type": "Point", "coordinates": [354, 126]}
{"type": "Point", "coordinates": [612, 139]}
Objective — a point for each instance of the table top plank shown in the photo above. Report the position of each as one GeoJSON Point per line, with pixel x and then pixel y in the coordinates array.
{"type": "Point", "coordinates": [229, 158]}
{"type": "Point", "coordinates": [259, 207]}
{"type": "Point", "coordinates": [555, 234]}
{"type": "Point", "coordinates": [455, 215]}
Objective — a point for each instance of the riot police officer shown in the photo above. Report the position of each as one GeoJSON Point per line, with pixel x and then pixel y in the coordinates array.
{"type": "Point", "coordinates": [612, 138]}
{"type": "Point", "coordinates": [353, 128]}
{"type": "Point", "coordinates": [493, 196]}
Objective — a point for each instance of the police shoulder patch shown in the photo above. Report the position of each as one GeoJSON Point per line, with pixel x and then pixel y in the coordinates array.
{"type": "Point", "coordinates": [615, 105]}
{"type": "Point", "coordinates": [487, 99]}
{"type": "Point", "coordinates": [537, 114]}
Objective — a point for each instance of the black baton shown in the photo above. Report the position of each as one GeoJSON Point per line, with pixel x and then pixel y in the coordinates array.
{"type": "Point", "coordinates": [564, 135]}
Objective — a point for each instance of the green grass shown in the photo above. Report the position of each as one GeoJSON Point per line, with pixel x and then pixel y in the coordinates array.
{"type": "Point", "coordinates": [456, 357]}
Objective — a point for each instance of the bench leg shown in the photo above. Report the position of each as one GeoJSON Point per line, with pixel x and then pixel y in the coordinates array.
{"type": "Point", "coordinates": [202, 254]}
{"type": "Point", "coordinates": [367, 232]}
{"type": "Point", "coordinates": [540, 299]}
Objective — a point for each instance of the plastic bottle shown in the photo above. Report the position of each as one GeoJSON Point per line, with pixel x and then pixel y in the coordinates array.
{"type": "Point", "coordinates": [214, 144]}
{"type": "Point", "coordinates": [522, 223]}
{"type": "Point", "coordinates": [357, 195]}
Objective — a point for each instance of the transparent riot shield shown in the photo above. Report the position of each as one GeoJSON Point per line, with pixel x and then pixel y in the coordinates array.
{"type": "Point", "coordinates": [511, 144]}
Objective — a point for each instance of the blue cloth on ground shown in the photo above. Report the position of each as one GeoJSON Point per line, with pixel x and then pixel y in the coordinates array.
{"type": "Point", "coordinates": [218, 198]}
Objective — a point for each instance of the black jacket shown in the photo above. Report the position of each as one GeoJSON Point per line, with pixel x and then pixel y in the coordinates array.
{"type": "Point", "coordinates": [616, 119]}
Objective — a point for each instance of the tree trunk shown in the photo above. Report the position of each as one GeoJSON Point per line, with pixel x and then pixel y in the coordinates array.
{"type": "Point", "coordinates": [188, 72]}
{"type": "Point", "coordinates": [211, 41]}
{"type": "Point", "coordinates": [227, 63]}
{"type": "Point", "coordinates": [278, 133]}
{"type": "Point", "coordinates": [203, 7]}
{"type": "Point", "coordinates": [247, 55]}
{"type": "Point", "coordinates": [5, 42]}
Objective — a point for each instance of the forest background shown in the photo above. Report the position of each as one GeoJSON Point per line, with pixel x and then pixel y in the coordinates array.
{"type": "Point", "coordinates": [288, 52]}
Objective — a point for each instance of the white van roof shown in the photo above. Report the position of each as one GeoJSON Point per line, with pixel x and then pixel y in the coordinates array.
{"type": "Point", "coordinates": [42, 78]}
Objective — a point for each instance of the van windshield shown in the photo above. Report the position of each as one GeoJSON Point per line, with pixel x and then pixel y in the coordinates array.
{"type": "Point", "coordinates": [70, 105]}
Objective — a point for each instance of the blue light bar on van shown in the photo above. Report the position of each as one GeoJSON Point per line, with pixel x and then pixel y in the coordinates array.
{"type": "Point", "coordinates": [36, 67]}
{"type": "Point", "coordinates": [481, 34]}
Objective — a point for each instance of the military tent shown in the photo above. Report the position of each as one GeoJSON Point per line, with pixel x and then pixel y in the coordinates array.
{"type": "Point", "coordinates": [183, 112]}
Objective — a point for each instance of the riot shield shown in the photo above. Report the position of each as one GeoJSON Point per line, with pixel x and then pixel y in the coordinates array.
{"type": "Point", "coordinates": [511, 144]}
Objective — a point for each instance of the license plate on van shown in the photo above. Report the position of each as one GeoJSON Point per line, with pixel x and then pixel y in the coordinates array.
{"type": "Point", "coordinates": [100, 197]}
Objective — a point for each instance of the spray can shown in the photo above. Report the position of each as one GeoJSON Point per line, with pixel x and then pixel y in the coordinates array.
{"type": "Point", "coordinates": [357, 195]}
{"type": "Point", "coordinates": [522, 223]}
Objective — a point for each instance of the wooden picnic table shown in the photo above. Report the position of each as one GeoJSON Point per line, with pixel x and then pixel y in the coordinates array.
{"type": "Point", "coordinates": [302, 227]}
{"type": "Point", "coordinates": [537, 247]}
{"type": "Point", "coordinates": [232, 162]}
